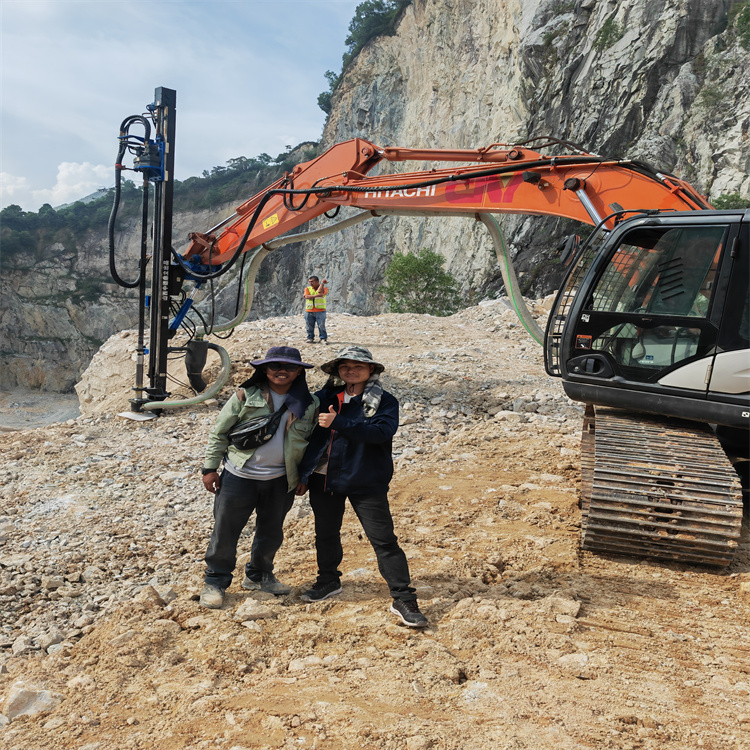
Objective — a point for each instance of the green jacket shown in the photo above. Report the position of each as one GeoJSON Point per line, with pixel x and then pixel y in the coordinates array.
{"type": "Point", "coordinates": [256, 404]}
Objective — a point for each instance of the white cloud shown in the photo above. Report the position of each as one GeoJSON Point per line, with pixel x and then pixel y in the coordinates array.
{"type": "Point", "coordinates": [75, 181]}
{"type": "Point", "coordinates": [72, 70]}
{"type": "Point", "coordinates": [13, 189]}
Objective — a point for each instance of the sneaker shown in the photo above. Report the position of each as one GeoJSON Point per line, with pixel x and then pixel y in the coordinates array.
{"type": "Point", "coordinates": [324, 341]}
{"type": "Point", "coordinates": [409, 613]}
{"type": "Point", "coordinates": [310, 341]}
{"type": "Point", "coordinates": [268, 583]}
{"type": "Point", "coordinates": [321, 591]}
{"type": "Point", "coordinates": [212, 597]}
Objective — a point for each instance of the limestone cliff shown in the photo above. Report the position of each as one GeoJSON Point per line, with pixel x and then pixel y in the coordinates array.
{"type": "Point", "coordinates": [59, 306]}
{"type": "Point", "coordinates": [666, 81]}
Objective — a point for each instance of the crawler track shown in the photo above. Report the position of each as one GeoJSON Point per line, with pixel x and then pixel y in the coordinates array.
{"type": "Point", "coordinates": [657, 488]}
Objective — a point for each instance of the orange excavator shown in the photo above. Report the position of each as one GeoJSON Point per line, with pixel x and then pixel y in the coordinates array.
{"type": "Point", "coordinates": [650, 328]}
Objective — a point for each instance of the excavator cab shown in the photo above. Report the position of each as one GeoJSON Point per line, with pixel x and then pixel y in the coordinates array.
{"type": "Point", "coordinates": [654, 317]}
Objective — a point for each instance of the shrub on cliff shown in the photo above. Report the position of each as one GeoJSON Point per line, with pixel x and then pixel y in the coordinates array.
{"type": "Point", "coordinates": [372, 18]}
{"type": "Point", "coordinates": [730, 200]}
{"type": "Point", "coordinates": [417, 283]}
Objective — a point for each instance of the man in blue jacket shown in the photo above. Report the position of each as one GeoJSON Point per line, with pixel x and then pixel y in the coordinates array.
{"type": "Point", "coordinates": [350, 456]}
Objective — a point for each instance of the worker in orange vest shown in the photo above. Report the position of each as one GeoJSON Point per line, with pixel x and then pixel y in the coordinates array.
{"type": "Point", "coordinates": [315, 309]}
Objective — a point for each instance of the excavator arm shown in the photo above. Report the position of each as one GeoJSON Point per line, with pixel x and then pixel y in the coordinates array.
{"type": "Point", "coordinates": [500, 178]}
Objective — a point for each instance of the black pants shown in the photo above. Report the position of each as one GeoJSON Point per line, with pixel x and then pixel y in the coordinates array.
{"type": "Point", "coordinates": [233, 506]}
{"type": "Point", "coordinates": [374, 514]}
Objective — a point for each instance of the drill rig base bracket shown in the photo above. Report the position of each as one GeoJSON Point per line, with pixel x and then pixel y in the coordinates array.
{"type": "Point", "coordinates": [138, 416]}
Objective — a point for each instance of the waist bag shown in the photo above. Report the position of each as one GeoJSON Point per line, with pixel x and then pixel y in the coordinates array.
{"type": "Point", "coordinates": [255, 432]}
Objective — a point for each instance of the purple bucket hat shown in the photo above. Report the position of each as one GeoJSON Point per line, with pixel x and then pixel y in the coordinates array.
{"type": "Point", "coordinates": [287, 354]}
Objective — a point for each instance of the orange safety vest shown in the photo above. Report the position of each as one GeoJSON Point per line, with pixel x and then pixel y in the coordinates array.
{"type": "Point", "coordinates": [317, 304]}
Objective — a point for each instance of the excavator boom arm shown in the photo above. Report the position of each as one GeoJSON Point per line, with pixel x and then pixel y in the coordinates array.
{"type": "Point", "coordinates": [498, 179]}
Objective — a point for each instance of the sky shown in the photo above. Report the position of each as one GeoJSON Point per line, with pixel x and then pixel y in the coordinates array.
{"type": "Point", "coordinates": [247, 74]}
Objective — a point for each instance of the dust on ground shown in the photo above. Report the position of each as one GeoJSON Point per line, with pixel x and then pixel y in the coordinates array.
{"type": "Point", "coordinates": [532, 644]}
{"type": "Point", "coordinates": [24, 409]}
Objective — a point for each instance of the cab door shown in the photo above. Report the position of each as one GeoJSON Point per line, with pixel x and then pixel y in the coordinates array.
{"type": "Point", "coordinates": [649, 311]}
{"type": "Point", "coordinates": [730, 374]}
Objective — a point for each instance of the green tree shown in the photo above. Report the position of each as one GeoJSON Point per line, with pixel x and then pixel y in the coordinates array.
{"type": "Point", "coordinates": [13, 217]}
{"type": "Point", "coordinates": [240, 164]}
{"type": "Point", "coordinates": [730, 200]}
{"type": "Point", "coordinates": [324, 99]}
{"type": "Point", "coordinates": [417, 283]}
{"type": "Point", "coordinates": [371, 18]}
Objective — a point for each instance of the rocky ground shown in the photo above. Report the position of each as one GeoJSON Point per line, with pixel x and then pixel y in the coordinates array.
{"type": "Point", "coordinates": [532, 644]}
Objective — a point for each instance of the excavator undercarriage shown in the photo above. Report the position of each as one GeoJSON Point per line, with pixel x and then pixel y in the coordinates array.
{"type": "Point", "coordinates": [657, 488]}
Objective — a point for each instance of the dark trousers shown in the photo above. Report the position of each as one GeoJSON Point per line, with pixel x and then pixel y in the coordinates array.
{"type": "Point", "coordinates": [311, 318]}
{"type": "Point", "coordinates": [374, 514]}
{"type": "Point", "coordinates": [233, 505]}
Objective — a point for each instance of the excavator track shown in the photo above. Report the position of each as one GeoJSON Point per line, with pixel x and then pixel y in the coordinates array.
{"type": "Point", "coordinates": [657, 488]}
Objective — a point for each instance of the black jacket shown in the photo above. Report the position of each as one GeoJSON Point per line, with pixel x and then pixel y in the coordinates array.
{"type": "Point", "coordinates": [360, 461]}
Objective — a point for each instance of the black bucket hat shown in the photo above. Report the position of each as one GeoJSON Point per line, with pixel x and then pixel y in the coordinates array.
{"type": "Point", "coordinates": [286, 354]}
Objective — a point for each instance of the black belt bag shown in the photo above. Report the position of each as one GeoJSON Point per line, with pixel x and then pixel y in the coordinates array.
{"type": "Point", "coordinates": [255, 432]}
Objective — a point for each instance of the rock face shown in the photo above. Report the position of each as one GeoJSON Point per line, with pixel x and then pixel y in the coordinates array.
{"type": "Point", "coordinates": [665, 81]}
{"type": "Point", "coordinates": [629, 79]}
{"type": "Point", "coordinates": [58, 309]}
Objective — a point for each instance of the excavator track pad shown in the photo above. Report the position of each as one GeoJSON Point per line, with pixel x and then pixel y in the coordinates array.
{"type": "Point", "coordinates": [659, 488]}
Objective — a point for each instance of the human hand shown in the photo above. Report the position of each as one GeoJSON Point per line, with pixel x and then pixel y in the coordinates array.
{"type": "Point", "coordinates": [301, 489]}
{"type": "Point", "coordinates": [212, 482]}
{"type": "Point", "coordinates": [325, 420]}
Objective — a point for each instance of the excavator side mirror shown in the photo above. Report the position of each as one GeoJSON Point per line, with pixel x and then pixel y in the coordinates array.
{"type": "Point", "coordinates": [568, 248]}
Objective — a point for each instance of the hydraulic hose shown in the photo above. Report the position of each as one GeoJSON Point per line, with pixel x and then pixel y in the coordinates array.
{"type": "Point", "coordinates": [509, 278]}
{"type": "Point", "coordinates": [210, 392]}
{"type": "Point", "coordinates": [124, 144]}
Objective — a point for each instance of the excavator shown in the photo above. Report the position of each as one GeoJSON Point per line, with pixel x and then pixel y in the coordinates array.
{"type": "Point", "coordinates": [650, 328]}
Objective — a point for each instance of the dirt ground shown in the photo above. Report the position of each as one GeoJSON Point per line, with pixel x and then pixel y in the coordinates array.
{"type": "Point", "coordinates": [532, 643]}
{"type": "Point", "coordinates": [24, 409]}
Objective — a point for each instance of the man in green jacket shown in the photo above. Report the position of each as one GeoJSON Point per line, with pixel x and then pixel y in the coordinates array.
{"type": "Point", "coordinates": [260, 479]}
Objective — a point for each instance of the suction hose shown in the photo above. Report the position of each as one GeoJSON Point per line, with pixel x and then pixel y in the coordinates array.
{"type": "Point", "coordinates": [503, 258]}
{"type": "Point", "coordinates": [217, 385]}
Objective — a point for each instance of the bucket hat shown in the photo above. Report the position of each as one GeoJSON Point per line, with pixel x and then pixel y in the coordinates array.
{"type": "Point", "coordinates": [354, 353]}
{"type": "Point", "coordinates": [287, 354]}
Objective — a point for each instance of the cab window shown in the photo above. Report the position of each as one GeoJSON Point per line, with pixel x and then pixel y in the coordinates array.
{"type": "Point", "coordinates": [649, 308]}
{"type": "Point", "coordinates": [663, 272]}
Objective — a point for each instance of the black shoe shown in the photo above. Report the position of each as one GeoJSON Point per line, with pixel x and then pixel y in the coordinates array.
{"type": "Point", "coordinates": [321, 591]}
{"type": "Point", "coordinates": [409, 613]}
